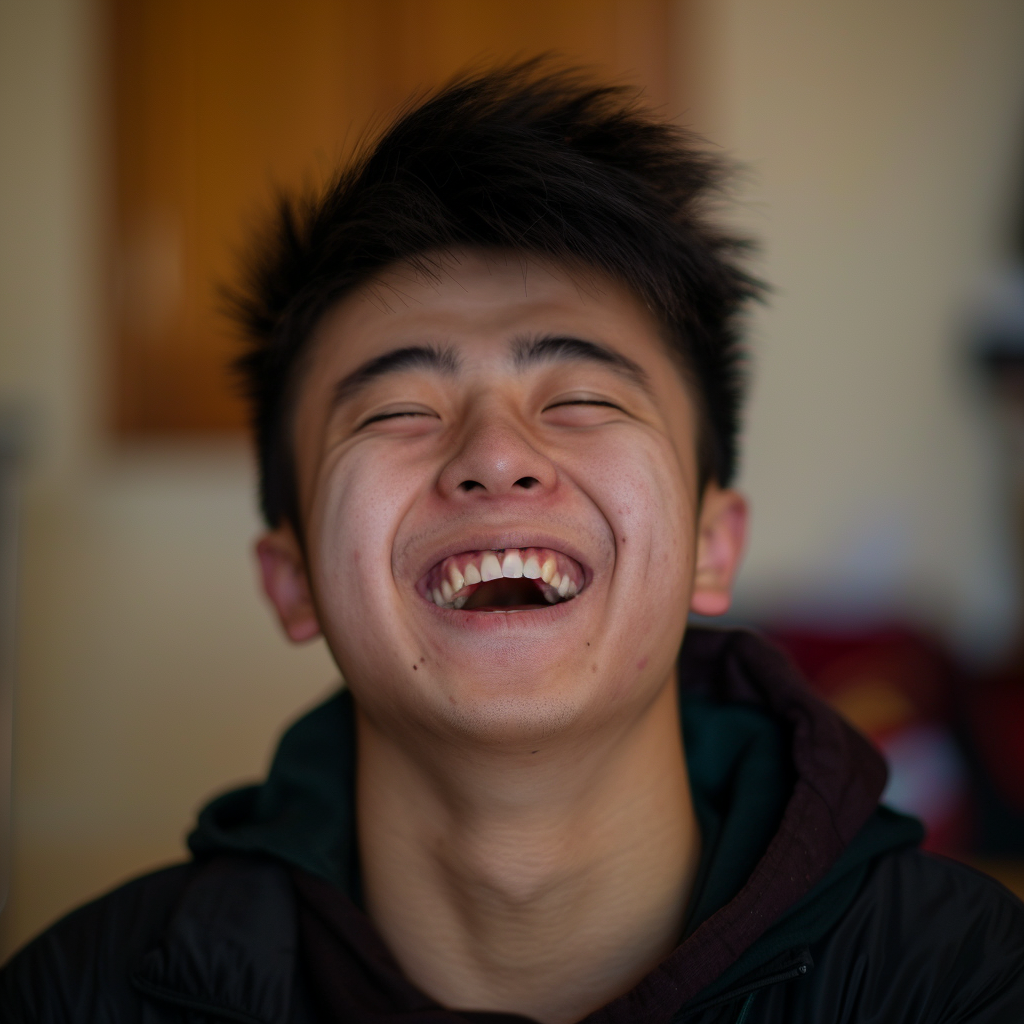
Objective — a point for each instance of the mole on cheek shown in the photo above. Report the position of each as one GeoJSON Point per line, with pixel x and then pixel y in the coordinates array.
{"type": "Point", "coordinates": [642, 663]}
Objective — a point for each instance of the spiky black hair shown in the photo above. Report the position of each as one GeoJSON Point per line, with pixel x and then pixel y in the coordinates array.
{"type": "Point", "coordinates": [522, 158]}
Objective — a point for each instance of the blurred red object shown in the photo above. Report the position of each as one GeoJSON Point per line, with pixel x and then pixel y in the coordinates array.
{"type": "Point", "coordinates": [997, 729]}
{"type": "Point", "coordinates": [898, 687]}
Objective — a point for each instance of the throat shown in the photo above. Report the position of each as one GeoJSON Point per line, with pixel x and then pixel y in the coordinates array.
{"type": "Point", "coordinates": [544, 891]}
{"type": "Point", "coordinates": [504, 595]}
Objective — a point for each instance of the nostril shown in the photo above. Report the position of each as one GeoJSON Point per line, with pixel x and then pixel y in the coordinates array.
{"type": "Point", "coordinates": [526, 482]}
{"type": "Point", "coordinates": [469, 485]}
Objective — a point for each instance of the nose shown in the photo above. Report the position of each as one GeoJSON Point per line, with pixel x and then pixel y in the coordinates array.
{"type": "Point", "coordinates": [495, 457]}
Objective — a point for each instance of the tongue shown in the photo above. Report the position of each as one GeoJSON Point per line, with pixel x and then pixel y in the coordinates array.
{"type": "Point", "coordinates": [505, 594]}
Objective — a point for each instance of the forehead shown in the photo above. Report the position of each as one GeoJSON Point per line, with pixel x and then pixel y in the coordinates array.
{"type": "Point", "coordinates": [480, 303]}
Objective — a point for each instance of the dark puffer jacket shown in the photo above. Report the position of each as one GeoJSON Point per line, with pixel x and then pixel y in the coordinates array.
{"type": "Point", "coordinates": [811, 904]}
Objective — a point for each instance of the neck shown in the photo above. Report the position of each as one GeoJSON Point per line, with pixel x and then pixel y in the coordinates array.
{"type": "Point", "coordinates": [544, 884]}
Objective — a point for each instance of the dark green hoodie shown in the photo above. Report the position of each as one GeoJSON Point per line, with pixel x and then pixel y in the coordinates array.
{"type": "Point", "coordinates": [812, 904]}
{"type": "Point", "coordinates": [785, 793]}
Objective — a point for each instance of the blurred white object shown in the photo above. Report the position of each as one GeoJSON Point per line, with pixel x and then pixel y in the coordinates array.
{"type": "Point", "coordinates": [999, 313]}
{"type": "Point", "coordinates": [927, 773]}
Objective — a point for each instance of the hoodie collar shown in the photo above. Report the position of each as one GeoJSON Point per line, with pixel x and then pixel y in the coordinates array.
{"type": "Point", "coordinates": [830, 781]}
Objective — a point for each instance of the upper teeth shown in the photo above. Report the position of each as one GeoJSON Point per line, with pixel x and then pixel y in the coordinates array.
{"type": "Point", "coordinates": [512, 566]}
{"type": "Point", "coordinates": [512, 563]}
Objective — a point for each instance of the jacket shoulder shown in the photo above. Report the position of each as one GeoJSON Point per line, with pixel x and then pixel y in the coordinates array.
{"type": "Point", "coordinates": [78, 969]}
{"type": "Point", "coordinates": [927, 940]}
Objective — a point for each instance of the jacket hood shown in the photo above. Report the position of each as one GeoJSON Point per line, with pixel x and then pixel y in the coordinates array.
{"type": "Point", "coordinates": [785, 791]}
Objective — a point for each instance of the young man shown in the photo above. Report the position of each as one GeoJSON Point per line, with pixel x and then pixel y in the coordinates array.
{"type": "Point", "coordinates": [494, 370]}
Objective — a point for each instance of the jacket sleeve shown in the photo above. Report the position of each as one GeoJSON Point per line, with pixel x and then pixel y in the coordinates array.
{"type": "Point", "coordinates": [77, 971]}
{"type": "Point", "coordinates": [928, 941]}
{"type": "Point", "coordinates": [985, 978]}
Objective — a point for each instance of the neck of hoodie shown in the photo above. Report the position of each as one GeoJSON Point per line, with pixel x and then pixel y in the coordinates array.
{"type": "Point", "coordinates": [785, 793]}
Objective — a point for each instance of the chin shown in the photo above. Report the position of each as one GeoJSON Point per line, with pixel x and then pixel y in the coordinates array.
{"type": "Point", "coordinates": [515, 717]}
{"type": "Point", "coordinates": [514, 704]}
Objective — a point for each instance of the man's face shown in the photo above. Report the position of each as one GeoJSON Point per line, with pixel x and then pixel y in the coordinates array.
{"type": "Point", "coordinates": [497, 475]}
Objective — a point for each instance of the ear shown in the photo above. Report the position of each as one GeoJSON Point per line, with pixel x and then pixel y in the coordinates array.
{"type": "Point", "coordinates": [285, 582]}
{"type": "Point", "coordinates": [721, 533]}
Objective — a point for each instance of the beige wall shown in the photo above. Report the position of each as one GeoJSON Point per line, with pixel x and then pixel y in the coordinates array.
{"type": "Point", "coordinates": [150, 672]}
{"type": "Point", "coordinates": [879, 143]}
{"type": "Point", "coordinates": [882, 141]}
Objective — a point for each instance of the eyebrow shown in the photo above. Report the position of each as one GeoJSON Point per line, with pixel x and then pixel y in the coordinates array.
{"type": "Point", "coordinates": [412, 357]}
{"type": "Point", "coordinates": [564, 348]}
{"type": "Point", "coordinates": [526, 352]}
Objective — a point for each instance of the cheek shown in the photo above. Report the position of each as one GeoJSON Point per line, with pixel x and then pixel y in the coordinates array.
{"type": "Point", "coordinates": [360, 503]}
{"type": "Point", "coordinates": [646, 497]}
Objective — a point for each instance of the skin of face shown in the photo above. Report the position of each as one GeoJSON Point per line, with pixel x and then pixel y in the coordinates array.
{"type": "Point", "coordinates": [484, 451]}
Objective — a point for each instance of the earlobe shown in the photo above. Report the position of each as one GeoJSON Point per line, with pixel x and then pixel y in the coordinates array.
{"type": "Point", "coordinates": [285, 582]}
{"type": "Point", "coordinates": [721, 535]}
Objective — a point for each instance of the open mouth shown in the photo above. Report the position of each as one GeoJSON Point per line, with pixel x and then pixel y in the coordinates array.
{"type": "Point", "coordinates": [507, 580]}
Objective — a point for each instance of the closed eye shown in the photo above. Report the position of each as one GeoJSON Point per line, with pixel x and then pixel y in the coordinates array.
{"type": "Point", "coordinates": [583, 412]}
{"type": "Point", "coordinates": [584, 401]}
{"type": "Point", "coordinates": [401, 414]}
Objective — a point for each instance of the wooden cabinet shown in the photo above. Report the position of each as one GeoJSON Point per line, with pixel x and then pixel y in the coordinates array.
{"type": "Point", "coordinates": [218, 103]}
